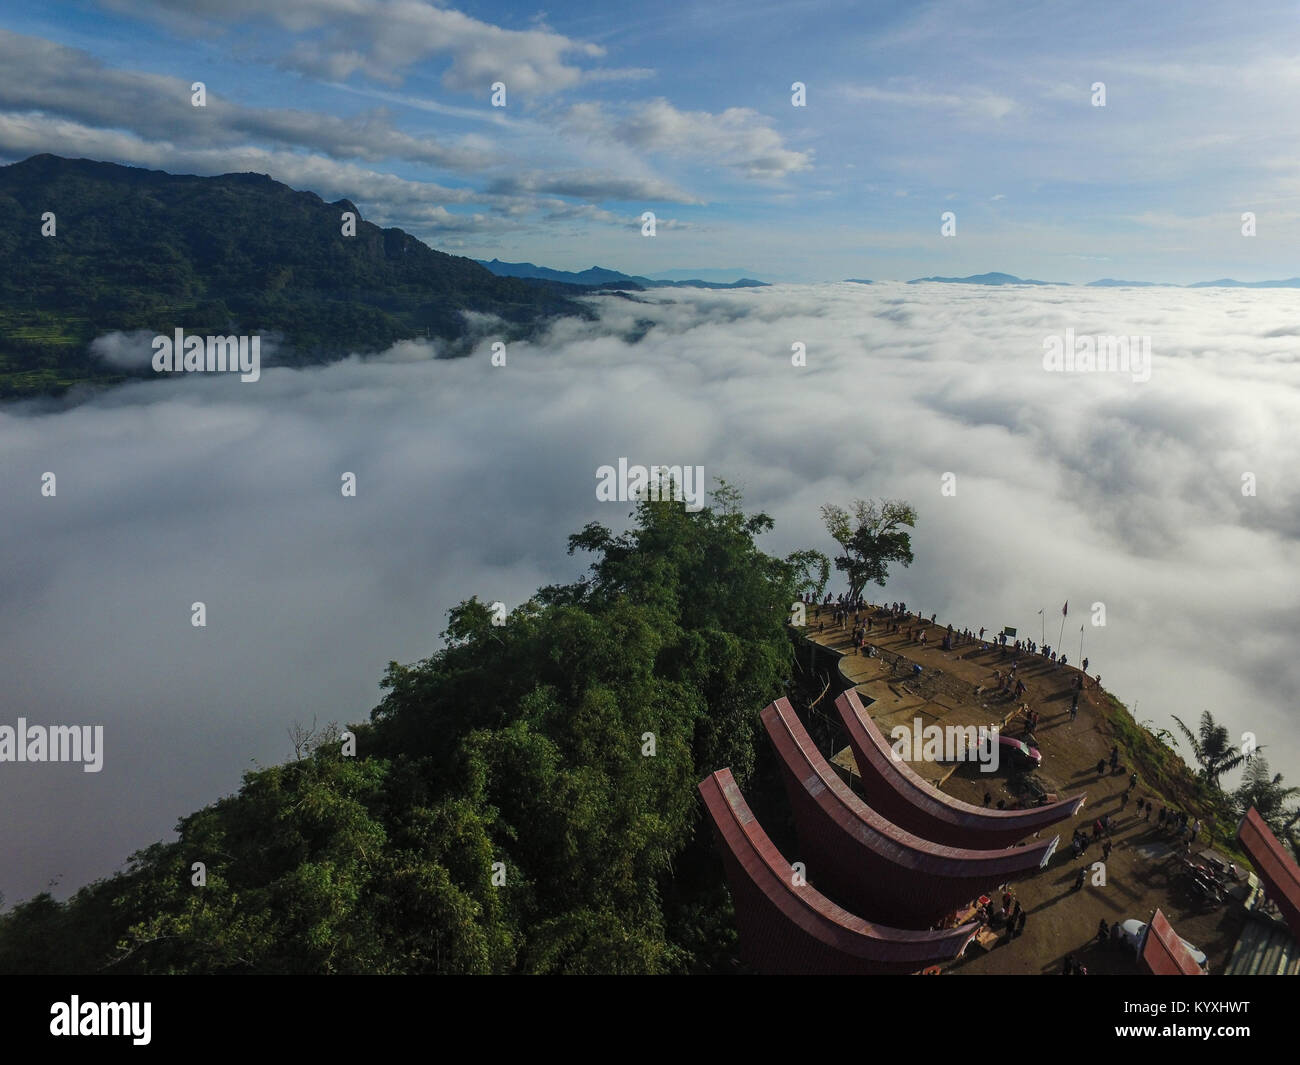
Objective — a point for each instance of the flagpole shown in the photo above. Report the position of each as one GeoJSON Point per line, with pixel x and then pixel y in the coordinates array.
{"type": "Point", "coordinates": [1064, 614]}
{"type": "Point", "coordinates": [1042, 616]}
{"type": "Point", "coordinates": [1080, 646]}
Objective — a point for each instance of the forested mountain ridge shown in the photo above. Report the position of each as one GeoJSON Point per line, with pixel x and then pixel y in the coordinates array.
{"type": "Point", "coordinates": [240, 253]}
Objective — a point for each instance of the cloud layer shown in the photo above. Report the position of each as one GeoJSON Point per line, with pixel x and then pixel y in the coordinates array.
{"type": "Point", "coordinates": [1086, 487]}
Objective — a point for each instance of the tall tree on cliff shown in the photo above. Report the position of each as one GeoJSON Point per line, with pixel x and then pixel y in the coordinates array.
{"type": "Point", "coordinates": [871, 536]}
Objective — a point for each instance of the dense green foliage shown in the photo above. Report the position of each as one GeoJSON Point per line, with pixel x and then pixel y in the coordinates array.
{"type": "Point", "coordinates": [870, 539]}
{"type": "Point", "coordinates": [1274, 800]}
{"type": "Point", "coordinates": [236, 254]}
{"type": "Point", "coordinates": [1211, 747]}
{"type": "Point", "coordinates": [1155, 753]}
{"type": "Point", "coordinates": [524, 744]}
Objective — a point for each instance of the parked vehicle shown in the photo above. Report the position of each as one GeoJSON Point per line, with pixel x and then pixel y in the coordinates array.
{"type": "Point", "coordinates": [1204, 882]}
{"type": "Point", "coordinates": [1020, 754]}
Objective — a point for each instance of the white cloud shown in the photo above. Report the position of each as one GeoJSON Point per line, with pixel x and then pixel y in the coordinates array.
{"type": "Point", "coordinates": [594, 185]}
{"type": "Point", "coordinates": [127, 351]}
{"type": "Point", "coordinates": [67, 83]}
{"type": "Point", "coordinates": [1087, 488]}
{"type": "Point", "coordinates": [975, 103]}
{"type": "Point", "coordinates": [403, 201]}
{"type": "Point", "coordinates": [383, 39]}
{"type": "Point", "coordinates": [738, 138]}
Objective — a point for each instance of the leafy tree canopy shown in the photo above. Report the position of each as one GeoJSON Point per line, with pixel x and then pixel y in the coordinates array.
{"type": "Point", "coordinates": [871, 536]}
{"type": "Point", "coordinates": [523, 800]}
{"type": "Point", "coordinates": [1211, 747]}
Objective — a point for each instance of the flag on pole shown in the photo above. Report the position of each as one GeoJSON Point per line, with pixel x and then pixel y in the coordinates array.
{"type": "Point", "coordinates": [1065, 610]}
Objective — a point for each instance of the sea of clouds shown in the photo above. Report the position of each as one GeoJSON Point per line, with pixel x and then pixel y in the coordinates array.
{"type": "Point", "coordinates": [1091, 487]}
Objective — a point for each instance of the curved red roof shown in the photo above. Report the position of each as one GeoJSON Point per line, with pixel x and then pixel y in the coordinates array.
{"type": "Point", "coordinates": [792, 928]}
{"type": "Point", "coordinates": [895, 790]}
{"type": "Point", "coordinates": [865, 862]}
{"type": "Point", "coordinates": [1163, 953]}
{"type": "Point", "coordinates": [1275, 867]}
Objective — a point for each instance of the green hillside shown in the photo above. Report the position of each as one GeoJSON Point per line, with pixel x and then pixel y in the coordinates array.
{"type": "Point", "coordinates": [523, 800]}
{"type": "Point", "coordinates": [240, 253]}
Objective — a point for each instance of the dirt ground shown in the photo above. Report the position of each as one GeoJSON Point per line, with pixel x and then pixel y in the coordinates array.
{"type": "Point", "coordinates": [1143, 870]}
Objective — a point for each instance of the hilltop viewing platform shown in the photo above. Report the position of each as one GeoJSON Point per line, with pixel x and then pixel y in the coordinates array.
{"type": "Point", "coordinates": [918, 673]}
{"type": "Point", "coordinates": [958, 687]}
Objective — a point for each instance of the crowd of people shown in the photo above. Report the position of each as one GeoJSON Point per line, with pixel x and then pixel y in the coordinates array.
{"type": "Point", "coordinates": [890, 619]}
{"type": "Point", "coordinates": [865, 621]}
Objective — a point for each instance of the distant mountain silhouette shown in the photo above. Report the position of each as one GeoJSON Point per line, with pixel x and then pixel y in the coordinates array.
{"type": "Point", "coordinates": [598, 275]}
{"type": "Point", "coordinates": [857, 281]}
{"type": "Point", "coordinates": [1228, 282]}
{"type": "Point", "coordinates": [139, 249]}
{"type": "Point", "coordinates": [1105, 282]}
{"type": "Point", "coordinates": [724, 276]}
{"type": "Point", "coordinates": [985, 279]}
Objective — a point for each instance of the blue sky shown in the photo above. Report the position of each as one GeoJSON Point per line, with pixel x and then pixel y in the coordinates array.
{"type": "Point", "coordinates": [982, 109]}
